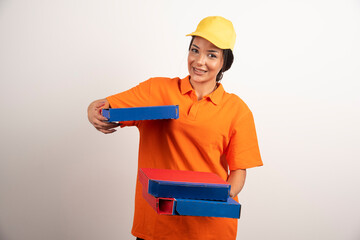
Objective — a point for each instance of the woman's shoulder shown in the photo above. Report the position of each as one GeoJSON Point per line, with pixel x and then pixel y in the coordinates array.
{"type": "Point", "coordinates": [235, 100]}
{"type": "Point", "coordinates": [236, 105]}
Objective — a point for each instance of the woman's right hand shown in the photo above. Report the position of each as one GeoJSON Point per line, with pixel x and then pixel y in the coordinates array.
{"type": "Point", "coordinates": [98, 120]}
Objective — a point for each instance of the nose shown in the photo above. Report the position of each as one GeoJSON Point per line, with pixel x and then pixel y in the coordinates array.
{"type": "Point", "coordinates": [200, 60]}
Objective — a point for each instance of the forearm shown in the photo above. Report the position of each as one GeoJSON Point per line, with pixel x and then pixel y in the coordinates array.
{"type": "Point", "coordinates": [237, 180]}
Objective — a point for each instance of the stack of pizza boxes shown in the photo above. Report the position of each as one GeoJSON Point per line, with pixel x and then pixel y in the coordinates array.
{"type": "Point", "coordinates": [175, 192]}
{"type": "Point", "coordinates": [189, 193]}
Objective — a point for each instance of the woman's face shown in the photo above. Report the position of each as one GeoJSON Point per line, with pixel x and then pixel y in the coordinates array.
{"type": "Point", "coordinates": [205, 60]}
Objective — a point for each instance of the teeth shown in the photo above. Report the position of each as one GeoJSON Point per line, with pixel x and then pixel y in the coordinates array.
{"type": "Point", "coordinates": [199, 70]}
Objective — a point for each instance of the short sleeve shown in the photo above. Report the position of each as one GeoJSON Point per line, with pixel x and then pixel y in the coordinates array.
{"type": "Point", "coordinates": [243, 149]}
{"type": "Point", "coordinates": [135, 97]}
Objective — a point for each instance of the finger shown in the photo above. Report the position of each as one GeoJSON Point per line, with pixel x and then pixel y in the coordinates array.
{"type": "Point", "coordinates": [105, 125]}
{"type": "Point", "coordinates": [101, 118]}
{"type": "Point", "coordinates": [111, 125]}
{"type": "Point", "coordinates": [98, 115]}
{"type": "Point", "coordinates": [107, 131]}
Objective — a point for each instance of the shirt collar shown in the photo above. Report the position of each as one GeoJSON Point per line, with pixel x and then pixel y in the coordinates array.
{"type": "Point", "coordinates": [214, 97]}
{"type": "Point", "coordinates": [185, 85]}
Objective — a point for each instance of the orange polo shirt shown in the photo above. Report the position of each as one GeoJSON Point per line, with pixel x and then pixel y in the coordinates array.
{"type": "Point", "coordinates": [215, 134]}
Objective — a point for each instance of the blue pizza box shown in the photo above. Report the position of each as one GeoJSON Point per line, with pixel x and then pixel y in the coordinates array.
{"type": "Point", "coordinates": [166, 183]}
{"type": "Point", "coordinates": [192, 207]}
{"type": "Point", "coordinates": [141, 113]}
{"type": "Point", "coordinates": [203, 208]}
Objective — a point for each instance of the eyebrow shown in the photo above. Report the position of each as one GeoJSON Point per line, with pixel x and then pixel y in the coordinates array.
{"type": "Point", "coordinates": [212, 51]}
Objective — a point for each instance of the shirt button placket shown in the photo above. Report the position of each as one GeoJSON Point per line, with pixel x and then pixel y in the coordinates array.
{"type": "Point", "coordinates": [194, 108]}
{"type": "Point", "coordinates": [193, 111]}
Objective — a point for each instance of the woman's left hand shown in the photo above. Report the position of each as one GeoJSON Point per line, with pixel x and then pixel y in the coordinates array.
{"type": "Point", "coordinates": [237, 180]}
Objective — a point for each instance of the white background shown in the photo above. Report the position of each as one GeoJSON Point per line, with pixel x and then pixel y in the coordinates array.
{"type": "Point", "coordinates": [296, 66]}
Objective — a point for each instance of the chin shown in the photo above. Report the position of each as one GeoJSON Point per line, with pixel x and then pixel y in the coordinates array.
{"type": "Point", "coordinates": [197, 78]}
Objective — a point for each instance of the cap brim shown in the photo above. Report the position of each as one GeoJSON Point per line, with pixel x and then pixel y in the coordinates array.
{"type": "Point", "coordinates": [205, 36]}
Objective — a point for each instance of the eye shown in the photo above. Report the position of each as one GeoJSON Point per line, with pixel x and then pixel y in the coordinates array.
{"type": "Point", "coordinates": [212, 55]}
{"type": "Point", "coordinates": [194, 50]}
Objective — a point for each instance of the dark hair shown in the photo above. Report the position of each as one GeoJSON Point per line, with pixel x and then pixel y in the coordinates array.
{"type": "Point", "coordinates": [228, 60]}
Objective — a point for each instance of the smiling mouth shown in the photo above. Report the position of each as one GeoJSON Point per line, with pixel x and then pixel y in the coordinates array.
{"type": "Point", "coordinates": [198, 71]}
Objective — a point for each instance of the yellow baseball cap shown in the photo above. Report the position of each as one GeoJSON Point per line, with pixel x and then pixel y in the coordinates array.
{"type": "Point", "coordinates": [217, 30]}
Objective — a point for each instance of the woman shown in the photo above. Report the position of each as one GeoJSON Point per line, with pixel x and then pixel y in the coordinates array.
{"type": "Point", "coordinates": [215, 132]}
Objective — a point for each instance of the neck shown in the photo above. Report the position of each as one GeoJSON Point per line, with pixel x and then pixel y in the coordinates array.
{"type": "Point", "coordinates": [202, 89]}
